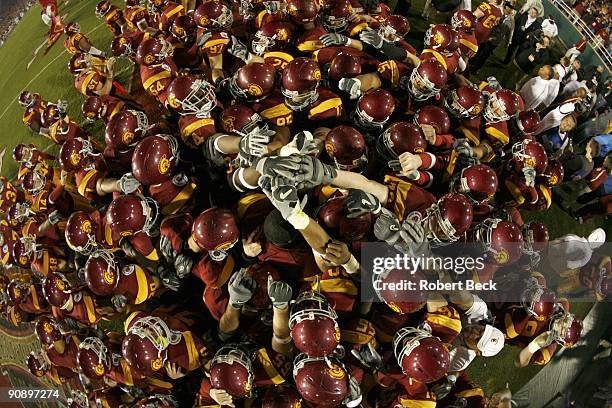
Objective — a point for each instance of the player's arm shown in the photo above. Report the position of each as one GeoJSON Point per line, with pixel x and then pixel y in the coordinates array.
{"type": "Point", "coordinates": [280, 294]}
{"type": "Point", "coordinates": [542, 341]}
{"type": "Point", "coordinates": [241, 288]}
{"type": "Point", "coordinates": [350, 180]}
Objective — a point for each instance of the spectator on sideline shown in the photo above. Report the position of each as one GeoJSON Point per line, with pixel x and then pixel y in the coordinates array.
{"type": "Point", "coordinates": [532, 54]}
{"type": "Point", "coordinates": [524, 24]}
{"type": "Point", "coordinates": [536, 91]}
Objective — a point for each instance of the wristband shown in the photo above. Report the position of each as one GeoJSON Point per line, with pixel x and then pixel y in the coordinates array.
{"type": "Point", "coordinates": [282, 340]}
{"type": "Point", "coordinates": [243, 181]}
{"type": "Point", "coordinates": [533, 347]}
{"type": "Point", "coordinates": [299, 220]}
{"type": "Point", "coordinates": [216, 143]}
{"type": "Point", "coordinates": [352, 266]}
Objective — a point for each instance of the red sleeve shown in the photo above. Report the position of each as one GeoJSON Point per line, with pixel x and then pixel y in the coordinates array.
{"type": "Point", "coordinates": [597, 178]}
{"type": "Point", "coordinates": [444, 141]}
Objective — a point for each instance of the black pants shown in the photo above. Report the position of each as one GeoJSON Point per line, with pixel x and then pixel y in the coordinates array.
{"type": "Point", "coordinates": [484, 52]}
{"type": "Point", "coordinates": [512, 49]}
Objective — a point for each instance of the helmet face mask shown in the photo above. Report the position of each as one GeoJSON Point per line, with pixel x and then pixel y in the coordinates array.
{"type": "Point", "coordinates": [151, 212]}
{"type": "Point", "coordinates": [97, 346]}
{"type": "Point", "coordinates": [365, 121]}
{"type": "Point", "coordinates": [297, 100]}
{"type": "Point", "coordinates": [156, 330]}
{"type": "Point", "coordinates": [451, 103]}
{"type": "Point", "coordinates": [262, 43]}
{"type": "Point", "coordinates": [388, 33]}
{"type": "Point", "coordinates": [421, 88]}
{"type": "Point", "coordinates": [335, 24]}
{"type": "Point", "coordinates": [560, 327]}
{"type": "Point", "coordinates": [309, 313]}
{"type": "Point", "coordinates": [494, 110]}
{"type": "Point", "coordinates": [201, 99]}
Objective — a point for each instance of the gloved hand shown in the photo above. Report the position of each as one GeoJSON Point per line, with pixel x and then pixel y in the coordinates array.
{"type": "Point", "coordinates": [352, 86]}
{"type": "Point", "coordinates": [462, 147]}
{"type": "Point", "coordinates": [283, 195]}
{"type": "Point", "coordinates": [127, 184]}
{"type": "Point", "coordinates": [530, 175]}
{"type": "Point", "coordinates": [238, 49]}
{"type": "Point", "coordinates": [62, 106]}
{"type": "Point", "coordinates": [313, 172]}
{"type": "Point", "coordinates": [119, 302]}
{"type": "Point", "coordinates": [387, 227]}
{"type": "Point", "coordinates": [222, 397]}
{"type": "Point", "coordinates": [127, 247]}
{"type": "Point", "coordinates": [354, 396]}
{"type": "Point", "coordinates": [183, 265]}
{"type": "Point", "coordinates": [331, 39]}
{"type": "Point", "coordinates": [204, 36]}
{"type": "Point", "coordinates": [210, 152]}
{"type": "Point", "coordinates": [369, 357]}
{"type": "Point", "coordinates": [165, 247]}
{"type": "Point", "coordinates": [278, 166]}
{"type": "Point", "coordinates": [54, 217]}
{"type": "Point", "coordinates": [371, 37]}
{"type": "Point", "coordinates": [412, 232]}
{"type": "Point", "coordinates": [255, 143]}
{"type": "Point", "coordinates": [273, 7]}
{"type": "Point", "coordinates": [359, 202]}
{"type": "Point", "coordinates": [241, 288]}
{"type": "Point", "coordinates": [169, 278]}
{"type": "Point", "coordinates": [303, 143]}
{"type": "Point", "coordinates": [279, 293]}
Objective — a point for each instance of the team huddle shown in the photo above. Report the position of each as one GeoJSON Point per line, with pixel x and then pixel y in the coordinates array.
{"type": "Point", "coordinates": [206, 251]}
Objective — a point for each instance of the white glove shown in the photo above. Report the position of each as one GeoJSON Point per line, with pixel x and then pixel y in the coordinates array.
{"type": "Point", "coordinates": [372, 38]}
{"type": "Point", "coordinates": [530, 175]}
{"type": "Point", "coordinates": [351, 86]}
{"type": "Point", "coordinates": [127, 184]}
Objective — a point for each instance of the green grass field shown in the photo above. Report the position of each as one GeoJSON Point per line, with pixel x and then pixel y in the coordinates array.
{"type": "Point", "coordinates": [49, 76]}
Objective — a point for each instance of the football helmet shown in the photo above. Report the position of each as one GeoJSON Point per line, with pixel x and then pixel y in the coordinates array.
{"type": "Point", "coordinates": [333, 215]}
{"type": "Point", "coordinates": [122, 45]}
{"type": "Point", "coordinates": [27, 99]}
{"type": "Point", "coordinates": [146, 343]}
{"type": "Point", "coordinates": [536, 237]}
{"type": "Point", "coordinates": [553, 173]}
{"type": "Point", "coordinates": [240, 119]}
{"type": "Point", "coordinates": [153, 51]}
{"type": "Point", "coordinates": [18, 213]}
{"type": "Point", "coordinates": [302, 11]}
{"type": "Point", "coordinates": [34, 181]}
{"type": "Point", "coordinates": [184, 29]}
{"type": "Point", "coordinates": [449, 218]}
{"type": "Point", "coordinates": [434, 116]}
{"type": "Point", "coordinates": [427, 80]}
{"type": "Point", "coordinates": [313, 325]}
{"type": "Point", "coordinates": [501, 105]}
{"type": "Point", "coordinates": [465, 101]}
{"type": "Point", "coordinates": [502, 241]}
{"type": "Point", "coordinates": [50, 115]}
{"type": "Point", "coordinates": [103, 8]}
{"type": "Point", "coordinates": [538, 301]}
{"type": "Point", "coordinates": [399, 301]}
{"type": "Point", "coordinates": [24, 251]}
{"type": "Point", "coordinates": [272, 36]}
{"type": "Point", "coordinates": [528, 121]}
{"type": "Point", "coordinates": [464, 20]}
{"type": "Point", "coordinates": [231, 369]}
{"type": "Point", "coordinates": [37, 365]}
{"type": "Point", "coordinates": [47, 330]}
{"type": "Point", "coordinates": [216, 231]}
{"type": "Point", "coordinates": [76, 154]}
{"type": "Point", "coordinates": [94, 358]}
{"type": "Point", "coordinates": [130, 214]}
{"type": "Point", "coordinates": [253, 81]}
{"type": "Point", "coordinates": [347, 148]}
{"type": "Point", "coordinates": [300, 81]}
{"type": "Point", "coordinates": [80, 233]}
{"type": "Point", "coordinates": [190, 95]}
{"type": "Point", "coordinates": [398, 138]}
{"type": "Point", "coordinates": [57, 289]}
{"type": "Point", "coordinates": [442, 38]}
{"type": "Point", "coordinates": [102, 273]}
{"type": "Point", "coordinates": [78, 63]}
{"type": "Point", "coordinates": [374, 109]}
{"type": "Point", "coordinates": [72, 27]}
{"type": "Point", "coordinates": [566, 329]}
{"type": "Point", "coordinates": [126, 129]}
{"type": "Point", "coordinates": [92, 108]}
{"type": "Point", "coordinates": [320, 381]}
{"type": "Point", "coordinates": [344, 65]}
{"type": "Point", "coordinates": [213, 15]}
{"type": "Point", "coordinates": [335, 15]}
{"type": "Point", "coordinates": [528, 153]}
{"type": "Point", "coordinates": [18, 291]}
{"type": "Point", "coordinates": [421, 356]}
{"type": "Point", "coordinates": [478, 182]}
{"type": "Point", "coordinates": [154, 159]}
{"type": "Point", "coordinates": [394, 28]}
{"type": "Point", "coordinates": [154, 5]}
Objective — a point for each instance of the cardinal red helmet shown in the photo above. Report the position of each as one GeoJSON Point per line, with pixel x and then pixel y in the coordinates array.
{"type": "Point", "coordinates": [27, 99]}
{"type": "Point", "coordinates": [34, 181]}
{"type": "Point", "coordinates": [75, 154]}
{"type": "Point", "coordinates": [92, 108]}
{"type": "Point", "coordinates": [126, 129]}
{"type": "Point", "coordinates": [566, 329]}
{"type": "Point", "coordinates": [536, 236]}
{"type": "Point", "coordinates": [154, 159]}
{"type": "Point", "coordinates": [320, 381]}
{"type": "Point", "coordinates": [145, 345]}
{"type": "Point", "coordinates": [394, 28]}
{"type": "Point", "coordinates": [374, 109]}
{"type": "Point", "coordinates": [344, 66]}
{"type": "Point", "coordinates": [399, 301]}
{"type": "Point", "coordinates": [478, 183]}
{"type": "Point", "coordinates": [18, 291]}
{"type": "Point", "coordinates": [501, 106]}
{"type": "Point", "coordinates": [528, 153]}
{"type": "Point", "coordinates": [122, 45]}
{"type": "Point", "coordinates": [464, 20]}
{"type": "Point", "coordinates": [18, 213]}
{"type": "Point", "coordinates": [94, 358]}
{"type": "Point", "coordinates": [302, 11]}
{"type": "Point", "coordinates": [333, 215]}
{"type": "Point", "coordinates": [528, 121]}
{"type": "Point", "coordinates": [36, 364]}
{"type": "Point", "coordinates": [465, 101]}
{"type": "Point", "coordinates": [213, 15]}
{"type": "Point", "coordinates": [57, 289]}
{"type": "Point", "coordinates": [102, 273]}
{"type": "Point", "coordinates": [190, 95]}
{"type": "Point", "coordinates": [502, 241]}
{"type": "Point", "coordinates": [130, 214]}
{"type": "Point", "coordinates": [253, 81]}
{"type": "Point", "coordinates": [453, 215]}
{"type": "Point", "coordinates": [102, 8]}
{"type": "Point", "coordinates": [272, 36]}
{"type": "Point", "coordinates": [24, 251]}
{"type": "Point", "coordinates": [347, 148]}
{"type": "Point", "coordinates": [553, 173]}
{"type": "Point", "coordinates": [427, 80]}
{"type": "Point", "coordinates": [153, 51]}
{"type": "Point", "coordinates": [78, 63]}
{"type": "Point", "coordinates": [78, 399]}
{"type": "Point", "coordinates": [538, 301]}
{"type": "Point", "coordinates": [442, 38]}
{"type": "Point", "coordinates": [80, 232]}
{"type": "Point", "coordinates": [239, 119]}
{"type": "Point", "coordinates": [157, 401]}
{"type": "Point", "coordinates": [434, 116]}
{"type": "Point", "coordinates": [281, 396]}
{"type": "Point", "coordinates": [72, 27]}
{"type": "Point", "coordinates": [400, 137]}
{"type": "Point", "coordinates": [157, 4]}
{"type": "Point", "coordinates": [421, 356]}
{"type": "Point", "coordinates": [313, 325]}
{"type": "Point", "coordinates": [50, 115]}
{"type": "Point", "coordinates": [184, 28]}
{"type": "Point", "coordinates": [216, 231]}
{"type": "Point", "coordinates": [335, 15]}
{"type": "Point", "coordinates": [231, 370]}
{"type": "Point", "coordinates": [47, 330]}
{"type": "Point", "coordinates": [300, 80]}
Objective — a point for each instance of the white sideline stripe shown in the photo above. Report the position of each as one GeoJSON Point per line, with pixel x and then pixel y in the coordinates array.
{"type": "Point", "coordinates": [43, 70]}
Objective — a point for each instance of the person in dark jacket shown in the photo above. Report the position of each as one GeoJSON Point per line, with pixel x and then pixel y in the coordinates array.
{"type": "Point", "coordinates": [532, 54]}
{"type": "Point", "coordinates": [524, 24]}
